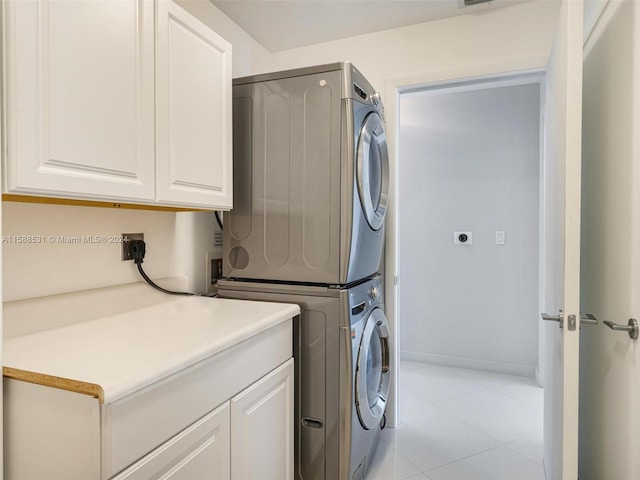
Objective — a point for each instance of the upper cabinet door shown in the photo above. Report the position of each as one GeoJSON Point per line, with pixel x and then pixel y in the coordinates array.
{"type": "Point", "coordinates": [79, 80]}
{"type": "Point", "coordinates": [194, 141]}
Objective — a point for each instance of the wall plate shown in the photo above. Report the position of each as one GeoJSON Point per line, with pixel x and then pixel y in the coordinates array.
{"type": "Point", "coordinates": [462, 238]}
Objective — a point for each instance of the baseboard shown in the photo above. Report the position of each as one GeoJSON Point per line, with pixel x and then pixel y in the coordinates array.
{"type": "Point", "coordinates": [538, 377]}
{"type": "Point", "coordinates": [471, 363]}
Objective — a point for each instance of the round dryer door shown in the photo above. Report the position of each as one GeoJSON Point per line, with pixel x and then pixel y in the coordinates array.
{"type": "Point", "coordinates": [372, 170]}
{"type": "Point", "coordinates": [373, 373]}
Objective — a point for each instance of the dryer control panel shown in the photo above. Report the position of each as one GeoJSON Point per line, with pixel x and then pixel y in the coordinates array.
{"type": "Point", "coordinates": [360, 92]}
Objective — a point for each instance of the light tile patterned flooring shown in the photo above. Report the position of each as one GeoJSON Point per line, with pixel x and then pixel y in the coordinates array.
{"type": "Point", "coordinates": [458, 424]}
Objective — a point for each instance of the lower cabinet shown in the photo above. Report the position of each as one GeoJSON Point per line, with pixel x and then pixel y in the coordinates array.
{"type": "Point", "coordinates": [248, 437]}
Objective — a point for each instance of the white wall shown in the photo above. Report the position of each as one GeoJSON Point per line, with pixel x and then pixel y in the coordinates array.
{"type": "Point", "coordinates": [51, 268]}
{"type": "Point", "coordinates": [518, 36]}
{"type": "Point", "coordinates": [469, 161]}
{"type": "Point", "coordinates": [609, 361]}
{"type": "Point", "coordinates": [195, 247]}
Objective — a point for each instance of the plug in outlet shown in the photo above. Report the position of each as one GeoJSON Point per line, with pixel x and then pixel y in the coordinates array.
{"type": "Point", "coordinates": [126, 237]}
{"type": "Point", "coordinates": [213, 271]}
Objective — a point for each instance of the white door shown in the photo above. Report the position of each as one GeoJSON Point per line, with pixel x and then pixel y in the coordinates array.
{"type": "Point", "coordinates": [610, 365]}
{"type": "Point", "coordinates": [561, 267]}
{"type": "Point", "coordinates": [262, 428]}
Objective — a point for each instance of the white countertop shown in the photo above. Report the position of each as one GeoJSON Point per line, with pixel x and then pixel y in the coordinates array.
{"type": "Point", "coordinates": [122, 353]}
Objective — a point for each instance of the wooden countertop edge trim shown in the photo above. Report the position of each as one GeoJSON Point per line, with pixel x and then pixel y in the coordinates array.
{"type": "Point", "coordinates": [11, 197]}
{"type": "Point", "coordinates": [75, 386]}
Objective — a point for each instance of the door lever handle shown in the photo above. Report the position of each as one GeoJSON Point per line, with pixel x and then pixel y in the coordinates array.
{"type": "Point", "coordinates": [553, 318]}
{"type": "Point", "coordinates": [588, 319]}
{"type": "Point", "coordinates": [631, 328]}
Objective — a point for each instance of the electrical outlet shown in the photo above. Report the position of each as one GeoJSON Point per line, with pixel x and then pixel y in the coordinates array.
{"type": "Point", "coordinates": [462, 238]}
{"type": "Point", "coordinates": [213, 271]}
{"type": "Point", "coordinates": [126, 253]}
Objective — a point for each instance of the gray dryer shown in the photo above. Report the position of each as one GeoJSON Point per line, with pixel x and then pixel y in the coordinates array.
{"type": "Point", "coordinates": [311, 177]}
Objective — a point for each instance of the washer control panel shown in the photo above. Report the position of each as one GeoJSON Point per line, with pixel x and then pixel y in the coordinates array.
{"type": "Point", "coordinates": [362, 298]}
{"type": "Point", "coordinates": [374, 292]}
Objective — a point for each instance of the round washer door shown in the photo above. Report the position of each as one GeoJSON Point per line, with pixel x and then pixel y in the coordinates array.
{"type": "Point", "coordinates": [373, 373]}
{"type": "Point", "coordinates": [372, 170]}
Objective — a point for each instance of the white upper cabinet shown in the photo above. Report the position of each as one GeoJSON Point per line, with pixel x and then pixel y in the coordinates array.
{"type": "Point", "coordinates": [80, 100]}
{"type": "Point", "coordinates": [126, 101]}
{"type": "Point", "coordinates": [193, 111]}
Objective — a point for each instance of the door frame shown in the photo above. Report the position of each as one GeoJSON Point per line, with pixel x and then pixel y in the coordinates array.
{"type": "Point", "coordinates": [495, 74]}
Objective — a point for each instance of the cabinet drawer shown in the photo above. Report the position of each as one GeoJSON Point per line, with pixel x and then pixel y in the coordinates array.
{"type": "Point", "coordinates": [201, 451]}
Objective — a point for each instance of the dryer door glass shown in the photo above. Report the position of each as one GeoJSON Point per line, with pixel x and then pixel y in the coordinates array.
{"type": "Point", "coordinates": [372, 170]}
{"type": "Point", "coordinates": [372, 375]}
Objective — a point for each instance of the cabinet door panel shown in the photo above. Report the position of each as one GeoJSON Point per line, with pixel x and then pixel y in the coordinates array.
{"type": "Point", "coordinates": [262, 428]}
{"type": "Point", "coordinates": [80, 104]}
{"type": "Point", "coordinates": [193, 111]}
{"type": "Point", "coordinates": [199, 452]}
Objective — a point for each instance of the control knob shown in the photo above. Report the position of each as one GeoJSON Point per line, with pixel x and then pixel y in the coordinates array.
{"type": "Point", "coordinates": [374, 293]}
{"type": "Point", "coordinates": [375, 98]}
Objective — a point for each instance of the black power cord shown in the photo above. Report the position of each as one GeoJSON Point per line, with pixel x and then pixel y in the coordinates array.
{"type": "Point", "coordinates": [138, 248]}
{"type": "Point", "coordinates": [216, 214]}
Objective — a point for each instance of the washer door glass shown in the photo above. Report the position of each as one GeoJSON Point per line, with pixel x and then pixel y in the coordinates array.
{"type": "Point", "coordinates": [372, 170]}
{"type": "Point", "coordinates": [373, 373]}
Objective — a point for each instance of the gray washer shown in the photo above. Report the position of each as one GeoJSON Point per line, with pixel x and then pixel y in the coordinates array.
{"type": "Point", "coordinates": [311, 177]}
{"type": "Point", "coordinates": [341, 349]}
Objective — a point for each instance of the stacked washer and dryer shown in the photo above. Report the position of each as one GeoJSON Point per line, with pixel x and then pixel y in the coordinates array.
{"type": "Point", "coordinates": [311, 178]}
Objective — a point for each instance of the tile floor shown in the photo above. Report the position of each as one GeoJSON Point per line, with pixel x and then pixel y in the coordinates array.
{"type": "Point", "coordinates": [458, 424]}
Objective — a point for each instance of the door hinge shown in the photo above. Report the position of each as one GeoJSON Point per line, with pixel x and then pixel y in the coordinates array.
{"type": "Point", "coordinates": [395, 280]}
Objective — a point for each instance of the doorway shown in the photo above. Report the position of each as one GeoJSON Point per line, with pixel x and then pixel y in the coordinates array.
{"type": "Point", "coordinates": [470, 256]}
{"type": "Point", "coordinates": [468, 216]}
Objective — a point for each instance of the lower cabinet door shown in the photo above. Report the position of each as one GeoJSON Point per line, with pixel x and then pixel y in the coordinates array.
{"type": "Point", "coordinates": [199, 452]}
{"type": "Point", "coordinates": [262, 428]}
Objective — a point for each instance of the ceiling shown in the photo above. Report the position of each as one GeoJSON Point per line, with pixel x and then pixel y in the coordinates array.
{"type": "Point", "coordinates": [285, 24]}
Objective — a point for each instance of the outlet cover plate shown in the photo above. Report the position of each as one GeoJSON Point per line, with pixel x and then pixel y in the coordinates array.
{"type": "Point", "coordinates": [460, 239]}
